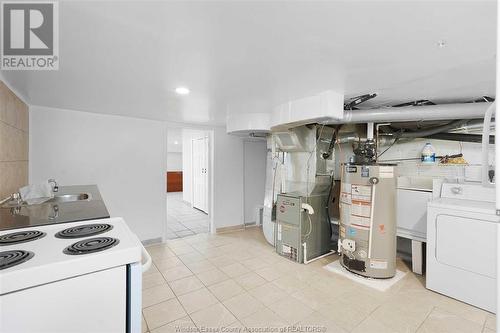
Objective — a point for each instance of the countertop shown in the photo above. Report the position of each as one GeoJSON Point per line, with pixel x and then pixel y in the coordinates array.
{"type": "Point", "coordinates": [57, 212]}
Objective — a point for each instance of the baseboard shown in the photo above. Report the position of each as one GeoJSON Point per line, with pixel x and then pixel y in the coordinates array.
{"type": "Point", "coordinates": [151, 241]}
{"type": "Point", "coordinates": [235, 227]}
{"type": "Point", "coordinates": [229, 229]}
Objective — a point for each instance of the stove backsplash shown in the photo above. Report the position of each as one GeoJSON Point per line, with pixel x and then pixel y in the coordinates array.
{"type": "Point", "coordinates": [14, 129]}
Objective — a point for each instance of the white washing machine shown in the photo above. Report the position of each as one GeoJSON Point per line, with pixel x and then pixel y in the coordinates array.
{"type": "Point", "coordinates": [461, 244]}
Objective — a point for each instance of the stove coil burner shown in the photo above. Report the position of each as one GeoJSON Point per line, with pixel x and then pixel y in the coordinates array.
{"type": "Point", "coordinates": [84, 230]}
{"type": "Point", "coordinates": [91, 245]}
{"type": "Point", "coordinates": [15, 257]}
{"type": "Point", "coordinates": [20, 237]}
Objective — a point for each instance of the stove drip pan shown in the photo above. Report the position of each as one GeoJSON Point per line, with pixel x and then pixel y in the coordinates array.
{"type": "Point", "coordinates": [91, 245]}
{"type": "Point", "coordinates": [84, 230]}
{"type": "Point", "coordinates": [15, 257]}
{"type": "Point", "coordinates": [20, 237]}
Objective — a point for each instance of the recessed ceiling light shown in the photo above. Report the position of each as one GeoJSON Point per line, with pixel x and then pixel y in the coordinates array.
{"type": "Point", "coordinates": [182, 90]}
{"type": "Point", "coordinates": [441, 43]}
{"type": "Point", "coordinates": [176, 142]}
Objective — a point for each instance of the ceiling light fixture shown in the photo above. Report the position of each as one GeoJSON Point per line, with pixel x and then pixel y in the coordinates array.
{"type": "Point", "coordinates": [182, 90]}
{"type": "Point", "coordinates": [441, 44]}
{"type": "Point", "coordinates": [176, 142]}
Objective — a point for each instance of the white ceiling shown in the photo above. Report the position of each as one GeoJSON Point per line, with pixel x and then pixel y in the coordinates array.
{"type": "Point", "coordinates": [127, 57]}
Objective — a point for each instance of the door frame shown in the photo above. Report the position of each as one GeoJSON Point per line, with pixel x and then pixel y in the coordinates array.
{"type": "Point", "coordinates": [210, 131]}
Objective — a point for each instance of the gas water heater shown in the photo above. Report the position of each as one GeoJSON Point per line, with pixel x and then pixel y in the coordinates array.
{"type": "Point", "coordinates": [367, 229]}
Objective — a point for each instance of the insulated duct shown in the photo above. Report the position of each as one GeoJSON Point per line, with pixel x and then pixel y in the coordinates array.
{"type": "Point", "coordinates": [415, 113]}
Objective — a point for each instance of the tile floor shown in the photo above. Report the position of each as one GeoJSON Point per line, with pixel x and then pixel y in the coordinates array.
{"type": "Point", "coordinates": [235, 281]}
{"type": "Point", "coordinates": [183, 220]}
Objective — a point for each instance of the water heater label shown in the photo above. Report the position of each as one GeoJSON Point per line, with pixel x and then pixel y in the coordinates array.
{"type": "Point", "coordinates": [345, 198]}
{"type": "Point", "coordinates": [361, 192]}
{"type": "Point", "coordinates": [361, 208]}
{"type": "Point", "coordinates": [363, 222]}
{"type": "Point", "coordinates": [351, 169]}
{"type": "Point", "coordinates": [378, 264]}
{"type": "Point", "coordinates": [365, 171]}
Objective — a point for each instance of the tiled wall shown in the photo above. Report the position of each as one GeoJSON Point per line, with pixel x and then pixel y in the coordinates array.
{"type": "Point", "coordinates": [14, 126]}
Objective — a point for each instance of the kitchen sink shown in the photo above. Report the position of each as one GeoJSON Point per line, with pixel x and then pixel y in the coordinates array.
{"type": "Point", "coordinates": [56, 199]}
{"type": "Point", "coordinates": [70, 197]}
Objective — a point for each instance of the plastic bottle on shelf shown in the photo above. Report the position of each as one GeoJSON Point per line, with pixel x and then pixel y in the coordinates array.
{"type": "Point", "coordinates": [428, 154]}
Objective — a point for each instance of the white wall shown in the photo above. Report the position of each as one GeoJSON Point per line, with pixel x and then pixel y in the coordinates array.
{"type": "Point", "coordinates": [124, 156]}
{"type": "Point", "coordinates": [187, 167]}
{"type": "Point", "coordinates": [174, 161]}
{"type": "Point", "coordinates": [255, 153]}
{"type": "Point", "coordinates": [228, 179]}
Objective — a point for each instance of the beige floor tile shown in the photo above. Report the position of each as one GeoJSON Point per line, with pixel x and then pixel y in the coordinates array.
{"type": "Point", "coordinates": [254, 264]}
{"type": "Point", "coordinates": [263, 319]}
{"type": "Point", "coordinates": [463, 310]}
{"type": "Point", "coordinates": [184, 324]}
{"type": "Point", "coordinates": [269, 273]}
{"type": "Point", "coordinates": [291, 309]}
{"type": "Point", "coordinates": [144, 326]}
{"type": "Point", "coordinates": [313, 298]}
{"type": "Point", "coordinates": [155, 295]}
{"type": "Point", "coordinates": [226, 289]}
{"type": "Point", "coordinates": [163, 313]}
{"type": "Point", "coordinates": [399, 317]}
{"type": "Point", "coordinates": [212, 277]}
{"type": "Point", "coordinates": [158, 252]}
{"type": "Point", "coordinates": [344, 315]}
{"type": "Point", "coordinates": [213, 317]}
{"type": "Point", "coordinates": [183, 250]}
{"type": "Point", "coordinates": [167, 263]}
{"type": "Point", "coordinates": [234, 270]}
{"type": "Point", "coordinates": [316, 322]}
{"type": "Point", "coordinates": [222, 261]}
{"type": "Point", "coordinates": [250, 280]}
{"type": "Point", "coordinates": [191, 257]}
{"type": "Point", "coordinates": [153, 269]}
{"type": "Point", "coordinates": [268, 294]}
{"type": "Point", "coordinates": [200, 266]}
{"type": "Point", "coordinates": [362, 299]}
{"type": "Point", "coordinates": [339, 304]}
{"type": "Point", "coordinates": [490, 322]}
{"type": "Point", "coordinates": [152, 280]}
{"type": "Point", "coordinates": [442, 321]}
{"type": "Point", "coordinates": [186, 285]}
{"type": "Point", "coordinates": [176, 273]}
{"type": "Point", "coordinates": [289, 284]}
{"type": "Point", "coordinates": [371, 325]}
{"type": "Point", "coordinates": [197, 300]}
{"type": "Point", "coordinates": [243, 305]}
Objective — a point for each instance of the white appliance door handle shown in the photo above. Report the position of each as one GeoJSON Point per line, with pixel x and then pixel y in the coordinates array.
{"type": "Point", "coordinates": [146, 265]}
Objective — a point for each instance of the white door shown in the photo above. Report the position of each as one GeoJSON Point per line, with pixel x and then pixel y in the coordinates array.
{"type": "Point", "coordinates": [200, 174]}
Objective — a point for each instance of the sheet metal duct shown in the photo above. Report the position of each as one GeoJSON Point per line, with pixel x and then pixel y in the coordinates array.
{"type": "Point", "coordinates": [415, 113]}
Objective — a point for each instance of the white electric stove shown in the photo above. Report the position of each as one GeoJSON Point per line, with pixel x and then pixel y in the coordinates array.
{"type": "Point", "coordinates": [72, 277]}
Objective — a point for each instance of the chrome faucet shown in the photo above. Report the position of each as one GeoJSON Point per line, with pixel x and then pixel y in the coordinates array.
{"type": "Point", "coordinates": [55, 187]}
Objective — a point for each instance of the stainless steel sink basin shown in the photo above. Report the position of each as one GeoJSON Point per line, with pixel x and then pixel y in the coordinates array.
{"type": "Point", "coordinates": [70, 197]}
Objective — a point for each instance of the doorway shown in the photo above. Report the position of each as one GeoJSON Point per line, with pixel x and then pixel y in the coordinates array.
{"type": "Point", "coordinates": [188, 182]}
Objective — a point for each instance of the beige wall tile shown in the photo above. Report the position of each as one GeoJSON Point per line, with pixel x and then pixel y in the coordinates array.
{"type": "Point", "coordinates": [14, 142]}
{"type": "Point", "coordinates": [12, 176]}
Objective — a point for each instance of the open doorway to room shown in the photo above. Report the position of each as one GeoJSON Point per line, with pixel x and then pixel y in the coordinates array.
{"type": "Point", "coordinates": [188, 179]}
